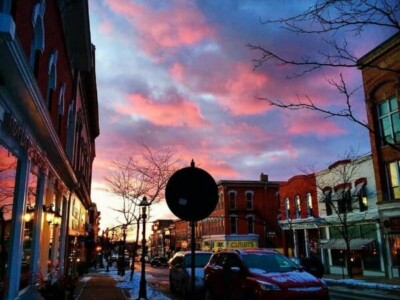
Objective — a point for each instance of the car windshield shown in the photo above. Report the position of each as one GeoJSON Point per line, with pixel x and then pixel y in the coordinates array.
{"type": "Point", "coordinates": [201, 259]}
{"type": "Point", "coordinates": [268, 262]}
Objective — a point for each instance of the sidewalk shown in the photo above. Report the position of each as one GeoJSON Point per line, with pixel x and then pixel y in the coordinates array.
{"type": "Point", "coordinates": [100, 286]}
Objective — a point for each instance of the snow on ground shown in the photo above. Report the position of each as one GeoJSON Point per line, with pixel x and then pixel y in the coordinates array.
{"type": "Point", "coordinates": [362, 283]}
{"type": "Point", "coordinates": [133, 286]}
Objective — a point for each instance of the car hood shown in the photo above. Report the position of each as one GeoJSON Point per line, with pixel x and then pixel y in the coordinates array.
{"type": "Point", "coordinates": [289, 279]}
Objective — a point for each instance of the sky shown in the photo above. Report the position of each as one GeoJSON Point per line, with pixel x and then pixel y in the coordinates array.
{"type": "Point", "coordinates": [178, 73]}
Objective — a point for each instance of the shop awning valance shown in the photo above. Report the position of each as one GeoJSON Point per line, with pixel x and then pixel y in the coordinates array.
{"type": "Point", "coordinates": [355, 244]}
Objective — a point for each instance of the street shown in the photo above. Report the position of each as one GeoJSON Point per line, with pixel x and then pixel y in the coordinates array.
{"type": "Point", "coordinates": [159, 280]}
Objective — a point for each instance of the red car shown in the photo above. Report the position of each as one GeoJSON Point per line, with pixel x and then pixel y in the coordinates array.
{"type": "Point", "coordinates": [259, 274]}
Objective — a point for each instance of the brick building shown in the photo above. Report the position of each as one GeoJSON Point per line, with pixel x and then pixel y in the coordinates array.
{"type": "Point", "coordinates": [380, 71]}
{"type": "Point", "coordinates": [298, 211]}
{"type": "Point", "coordinates": [48, 126]}
{"type": "Point", "coordinates": [245, 216]}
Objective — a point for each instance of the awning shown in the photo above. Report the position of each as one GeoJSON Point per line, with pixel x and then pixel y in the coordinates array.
{"type": "Point", "coordinates": [355, 244]}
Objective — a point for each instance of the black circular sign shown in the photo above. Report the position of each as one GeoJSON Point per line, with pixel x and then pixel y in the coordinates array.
{"type": "Point", "coordinates": [191, 194]}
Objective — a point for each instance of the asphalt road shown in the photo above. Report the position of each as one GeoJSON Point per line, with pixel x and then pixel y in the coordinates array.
{"type": "Point", "coordinates": [160, 281]}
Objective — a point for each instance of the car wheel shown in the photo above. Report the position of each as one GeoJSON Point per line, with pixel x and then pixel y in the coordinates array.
{"type": "Point", "coordinates": [208, 295]}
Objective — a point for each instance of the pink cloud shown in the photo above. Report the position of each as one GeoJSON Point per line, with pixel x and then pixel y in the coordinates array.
{"type": "Point", "coordinates": [106, 27]}
{"type": "Point", "coordinates": [179, 24]}
{"type": "Point", "coordinates": [177, 72]}
{"type": "Point", "coordinates": [305, 123]}
{"type": "Point", "coordinates": [176, 112]}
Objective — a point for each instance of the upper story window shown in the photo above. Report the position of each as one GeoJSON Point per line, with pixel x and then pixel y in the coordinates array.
{"type": "Point", "coordinates": [249, 200]}
{"type": "Point", "coordinates": [52, 78]}
{"type": "Point", "coordinates": [38, 39]}
{"type": "Point", "coordinates": [287, 208]}
{"type": "Point", "coordinates": [393, 174]}
{"type": "Point", "coordinates": [298, 206]}
{"type": "Point", "coordinates": [389, 121]}
{"type": "Point", "coordinates": [327, 199]}
{"type": "Point", "coordinates": [220, 201]}
{"type": "Point", "coordinates": [60, 107]}
{"type": "Point", "coordinates": [233, 221]}
{"type": "Point", "coordinates": [250, 224]}
{"type": "Point", "coordinates": [232, 199]}
{"type": "Point", "coordinates": [343, 198]}
{"type": "Point", "coordinates": [359, 194]}
{"type": "Point", "coordinates": [309, 205]}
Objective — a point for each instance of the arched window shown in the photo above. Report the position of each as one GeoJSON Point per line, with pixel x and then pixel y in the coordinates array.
{"type": "Point", "coordinates": [38, 40]}
{"type": "Point", "coordinates": [297, 206]}
{"type": "Point", "coordinates": [233, 221]}
{"type": "Point", "coordinates": [309, 204]}
{"type": "Point", "coordinates": [232, 199]}
{"type": "Point", "coordinates": [327, 199]}
{"type": "Point", "coordinates": [249, 199]}
{"type": "Point", "coordinates": [52, 78]}
{"type": "Point", "coordinates": [287, 206]}
{"type": "Point", "coordinates": [250, 224]}
{"type": "Point", "coordinates": [60, 107]}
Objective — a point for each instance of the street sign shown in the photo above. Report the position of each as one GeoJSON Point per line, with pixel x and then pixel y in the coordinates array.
{"type": "Point", "coordinates": [191, 193]}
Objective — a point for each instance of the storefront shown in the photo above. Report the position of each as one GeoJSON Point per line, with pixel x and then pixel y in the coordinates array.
{"type": "Point", "coordinates": [233, 241]}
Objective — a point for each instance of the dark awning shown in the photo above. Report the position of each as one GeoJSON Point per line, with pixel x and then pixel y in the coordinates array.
{"type": "Point", "coordinates": [340, 244]}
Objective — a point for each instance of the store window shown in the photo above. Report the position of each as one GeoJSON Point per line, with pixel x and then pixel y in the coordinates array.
{"type": "Point", "coordinates": [287, 208]}
{"type": "Point", "coordinates": [250, 224]}
{"type": "Point", "coordinates": [8, 168]}
{"type": "Point", "coordinates": [394, 179]}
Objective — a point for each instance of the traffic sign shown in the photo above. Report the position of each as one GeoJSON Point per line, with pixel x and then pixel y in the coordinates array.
{"type": "Point", "coordinates": [191, 193]}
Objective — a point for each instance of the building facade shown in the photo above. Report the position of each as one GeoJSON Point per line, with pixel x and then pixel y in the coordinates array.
{"type": "Point", "coordinates": [350, 236]}
{"type": "Point", "coordinates": [380, 71]}
{"type": "Point", "coordinates": [48, 126]}
{"type": "Point", "coordinates": [245, 216]}
{"type": "Point", "coordinates": [298, 215]}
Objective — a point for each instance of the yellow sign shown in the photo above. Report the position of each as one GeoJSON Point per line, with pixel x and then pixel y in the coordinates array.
{"type": "Point", "coordinates": [242, 244]}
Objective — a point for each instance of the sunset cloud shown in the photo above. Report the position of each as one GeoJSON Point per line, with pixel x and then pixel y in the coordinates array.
{"type": "Point", "coordinates": [173, 113]}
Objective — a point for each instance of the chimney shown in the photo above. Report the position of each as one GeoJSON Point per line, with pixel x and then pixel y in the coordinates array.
{"type": "Point", "coordinates": [264, 177]}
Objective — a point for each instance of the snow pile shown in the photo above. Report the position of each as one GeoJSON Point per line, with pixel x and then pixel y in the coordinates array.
{"type": "Point", "coordinates": [362, 283]}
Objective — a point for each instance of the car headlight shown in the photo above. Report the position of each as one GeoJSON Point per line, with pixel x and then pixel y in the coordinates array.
{"type": "Point", "coordinates": [267, 286]}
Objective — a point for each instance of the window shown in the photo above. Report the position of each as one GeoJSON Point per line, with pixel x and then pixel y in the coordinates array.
{"type": "Point", "coordinates": [359, 194]}
{"type": "Point", "coordinates": [37, 45]}
{"type": "Point", "coordinates": [287, 206]}
{"type": "Point", "coordinates": [389, 121]}
{"type": "Point", "coordinates": [327, 199]}
{"type": "Point", "coordinates": [52, 78]}
{"type": "Point", "coordinates": [250, 224]}
{"type": "Point", "coordinates": [60, 107]}
{"type": "Point", "coordinates": [393, 179]}
{"type": "Point", "coordinates": [343, 198]}
{"type": "Point", "coordinates": [249, 199]}
{"type": "Point", "coordinates": [233, 221]}
{"type": "Point", "coordinates": [298, 206]}
{"type": "Point", "coordinates": [309, 205]}
{"type": "Point", "coordinates": [232, 199]}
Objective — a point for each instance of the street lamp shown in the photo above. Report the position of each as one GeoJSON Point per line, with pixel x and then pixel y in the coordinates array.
{"type": "Point", "coordinates": [142, 288]}
{"type": "Point", "coordinates": [124, 226]}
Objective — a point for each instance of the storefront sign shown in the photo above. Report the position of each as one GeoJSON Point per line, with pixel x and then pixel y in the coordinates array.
{"type": "Point", "coordinates": [242, 244]}
{"type": "Point", "coordinates": [19, 133]}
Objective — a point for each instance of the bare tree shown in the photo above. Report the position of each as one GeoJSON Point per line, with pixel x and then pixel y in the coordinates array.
{"type": "Point", "coordinates": [344, 209]}
{"type": "Point", "coordinates": [328, 19]}
{"type": "Point", "coordinates": [146, 175]}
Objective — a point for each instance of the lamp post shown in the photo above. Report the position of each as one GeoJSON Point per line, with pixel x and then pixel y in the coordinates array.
{"type": "Point", "coordinates": [107, 244]}
{"type": "Point", "coordinates": [124, 226]}
{"type": "Point", "coordinates": [142, 287]}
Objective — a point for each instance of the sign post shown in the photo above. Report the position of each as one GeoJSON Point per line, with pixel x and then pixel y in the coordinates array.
{"type": "Point", "coordinates": [192, 195]}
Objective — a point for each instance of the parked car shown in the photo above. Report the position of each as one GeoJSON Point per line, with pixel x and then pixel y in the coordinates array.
{"type": "Point", "coordinates": [159, 261]}
{"type": "Point", "coordinates": [259, 274]}
{"type": "Point", "coordinates": [180, 270]}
